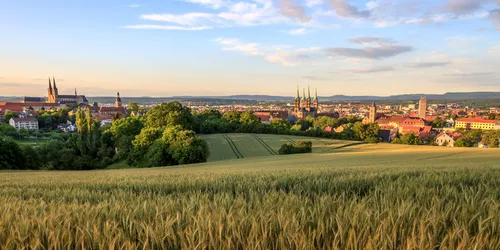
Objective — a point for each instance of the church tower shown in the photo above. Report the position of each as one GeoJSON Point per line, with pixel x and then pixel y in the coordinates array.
{"type": "Point", "coordinates": [422, 107]}
{"type": "Point", "coordinates": [50, 93]}
{"type": "Point", "coordinates": [297, 101]}
{"type": "Point", "coordinates": [118, 101]}
{"type": "Point", "coordinates": [308, 100]}
{"type": "Point", "coordinates": [316, 101]}
{"type": "Point", "coordinates": [303, 100]}
{"type": "Point", "coordinates": [56, 91]}
{"type": "Point", "coordinates": [373, 113]}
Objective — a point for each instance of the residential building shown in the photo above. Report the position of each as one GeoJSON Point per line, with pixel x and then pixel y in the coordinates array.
{"type": "Point", "coordinates": [447, 139]}
{"type": "Point", "coordinates": [29, 123]}
{"type": "Point", "coordinates": [477, 123]}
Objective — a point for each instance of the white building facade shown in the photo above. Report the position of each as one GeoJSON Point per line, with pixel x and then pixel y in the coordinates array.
{"type": "Point", "coordinates": [29, 123]}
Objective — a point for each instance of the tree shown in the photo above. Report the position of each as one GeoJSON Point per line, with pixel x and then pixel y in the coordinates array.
{"type": "Point", "coordinates": [324, 121]}
{"type": "Point", "coordinates": [366, 131]}
{"type": "Point", "coordinates": [464, 142]}
{"type": "Point", "coordinates": [8, 115]}
{"type": "Point", "coordinates": [133, 106]}
{"type": "Point", "coordinates": [11, 155]}
{"type": "Point", "coordinates": [249, 118]}
{"type": "Point", "coordinates": [438, 123]}
{"type": "Point", "coordinates": [210, 114]}
{"type": "Point", "coordinates": [410, 139]}
{"type": "Point", "coordinates": [170, 114]}
{"type": "Point", "coordinates": [281, 125]}
{"type": "Point", "coordinates": [232, 116]}
{"type": "Point", "coordinates": [184, 146]}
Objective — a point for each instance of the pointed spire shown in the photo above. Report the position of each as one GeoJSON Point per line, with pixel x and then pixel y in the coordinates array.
{"type": "Point", "coordinates": [309, 92]}
{"type": "Point", "coordinates": [303, 93]}
{"type": "Point", "coordinates": [297, 96]}
{"type": "Point", "coordinates": [54, 81]}
{"type": "Point", "coordinates": [76, 94]}
{"type": "Point", "coordinates": [316, 94]}
{"type": "Point", "coordinates": [50, 85]}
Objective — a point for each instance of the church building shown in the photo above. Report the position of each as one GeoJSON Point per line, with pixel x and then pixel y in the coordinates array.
{"type": "Point", "coordinates": [305, 107]}
{"type": "Point", "coordinates": [54, 97]}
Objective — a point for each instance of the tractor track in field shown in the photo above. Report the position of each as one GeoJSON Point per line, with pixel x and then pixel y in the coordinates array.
{"type": "Point", "coordinates": [264, 144]}
{"type": "Point", "coordinates": [235, 149]}
{"type": "Point", "coordinates": [289, 139]}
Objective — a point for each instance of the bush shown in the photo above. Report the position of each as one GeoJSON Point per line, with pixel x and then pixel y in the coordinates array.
{"type": "Point", "coordinates": [301, 147]}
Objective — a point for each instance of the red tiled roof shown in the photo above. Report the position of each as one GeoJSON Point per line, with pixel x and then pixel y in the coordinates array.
{"type": "Point", "coordinates": [477, 120]}
{"type": "Point", "coordinates": [453, 135]}
{"type": "Point", "coordinates": [112, 109]}
{"type": "Point", "coordinates": [264, 117]}
{"type": "Point", "coordinates": [27, 119]}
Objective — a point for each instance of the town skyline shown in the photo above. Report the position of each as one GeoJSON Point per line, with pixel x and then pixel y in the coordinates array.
{"type": "Point", "coordinates": [254, 47]}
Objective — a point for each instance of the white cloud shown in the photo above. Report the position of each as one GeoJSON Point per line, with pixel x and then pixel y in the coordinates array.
{"type": "Point", "coordinates": [284, 55]}
{"type": "Point", "coordinates": [215, 4]}
{"type": "Point", "coordinates": [167, 27]}
{"type": "Point", "coordinates": [291, 9]}
{"type": "Point", "coordinates": [296, 32]}
{"type": "Point", "coordinates": [494, 50]}
{"type": "Point", "coordinates": [133, 5]}
{"type": "Point", "coordinates": [312, 3]}
{"type": "Point", "coordinates": [188, 19]}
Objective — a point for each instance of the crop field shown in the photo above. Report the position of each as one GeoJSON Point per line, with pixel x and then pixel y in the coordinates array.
{"type": "Point", "coordinates": [361, 197]}
{"type": "Point", "coordinates": [239, 146]}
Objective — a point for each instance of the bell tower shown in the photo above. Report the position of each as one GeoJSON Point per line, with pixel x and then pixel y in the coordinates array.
{"type": "Point", "coordinates": [118, 101]}
{"type": "Point", "coordinates": [297, 101]}
{"type": "Point", "coordinates": [373, 113]}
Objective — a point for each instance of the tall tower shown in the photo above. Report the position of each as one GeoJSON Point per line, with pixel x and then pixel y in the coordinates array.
{"type": "Point", "coordinates": [50, 93]}
{"type": "Point", "coordinates": [373, 113]}
{"type": "Point", "coordinates": [118, 101]}
{"type": "Point", "coordinates": [422, 107]}
{"type": "Point", "coordinates": [297, 101]}
{"type": "Point", "coordinates": [56, 91]}
{"type": "Point", "coordinates": [316, 101]}
{"type": "Point", "coordinates": [308, 100]}
{"type": "Point", "coordinates": [303, 100]}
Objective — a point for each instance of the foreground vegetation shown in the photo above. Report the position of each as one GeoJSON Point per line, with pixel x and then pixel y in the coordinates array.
{"type": "Point", "coordinates": [363, 197]}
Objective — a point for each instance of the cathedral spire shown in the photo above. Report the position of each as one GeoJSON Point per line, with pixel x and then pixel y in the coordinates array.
{"type": "Point", "coordinates": [309, 92]}
{"type": "Point", "coordinates": [76, 94]}
{"type": "Point", "coordinates": [54, 81]}
{"type": "Point", "coordinates": [303, 93]}
{"type": "Point", "coordinates": [297, 96]}
{"type": "Point", "coordinates": [50, 86]}
{"type": "Point", "coordinates": [316, 94]}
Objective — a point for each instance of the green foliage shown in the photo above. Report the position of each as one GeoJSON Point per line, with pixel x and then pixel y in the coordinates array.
{"type": "Point", "coordinates": [248, 118]}
{"type": "Point", "coordinates": [8, 115]}
{"type": "Point", "coordinates": [170, 114]}
{"type": "Point", "coordinates": [438, 123]}
{"type": "Point", "coordinates": [232, 116]}
{"type": "Point", "coordinates": [133, 107]}
{"type": "Point", "coordinates": [366, 132]}
{"type": "Point", "coordinates": [300, 147]}
{"type": "Point", "coordinates": [11, 155]}
{"type": "Point", "coordinates": [464, 142]}
{"type": "Point", "coordinates": [408, 139]}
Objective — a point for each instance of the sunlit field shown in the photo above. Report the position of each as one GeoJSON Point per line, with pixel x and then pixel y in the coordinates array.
{"type": "Point", "coordinates": [359, 197]}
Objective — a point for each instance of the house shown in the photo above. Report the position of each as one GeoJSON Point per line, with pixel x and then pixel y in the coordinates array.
{"type": "Point", "coordinates": [29, 123]}
{"type": "Point", "coordinates": [447, 139]}
{"type": "Point", "coordinates": [67, 127]}
{"type": "Point", "coordinates": [264, 117]}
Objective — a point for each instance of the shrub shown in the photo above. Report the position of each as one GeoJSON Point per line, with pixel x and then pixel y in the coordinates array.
{"type": "Point", "coordinates": [301, 147]}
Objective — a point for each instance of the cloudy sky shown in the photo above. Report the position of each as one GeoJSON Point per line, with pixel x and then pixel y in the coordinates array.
{"type": "Point", "coordinates": [222, 47]}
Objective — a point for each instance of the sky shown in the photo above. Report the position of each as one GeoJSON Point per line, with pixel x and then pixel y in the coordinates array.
{"type": "Point", "coordinates": [267, 47]}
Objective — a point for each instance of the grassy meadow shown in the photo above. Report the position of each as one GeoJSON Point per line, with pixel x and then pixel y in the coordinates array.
{"type": "Point", "coordinates": [358, 197]}
{"type": "Point", "coordinates": [239, 146]}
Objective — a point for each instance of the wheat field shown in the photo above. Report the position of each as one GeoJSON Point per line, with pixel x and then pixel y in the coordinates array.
{"type": "Point", "coordinates": [361, 197]}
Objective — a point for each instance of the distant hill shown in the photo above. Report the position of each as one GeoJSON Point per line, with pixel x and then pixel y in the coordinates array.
{"type": "Point", "coordinates": [233, 98]}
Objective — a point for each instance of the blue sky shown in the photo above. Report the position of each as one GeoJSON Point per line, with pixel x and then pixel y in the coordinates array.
{"type": "Point", "coordinates": [222, 47]}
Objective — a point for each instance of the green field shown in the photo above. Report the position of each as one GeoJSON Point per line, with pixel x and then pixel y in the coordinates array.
{"type": "Point", "coordinates": [359, 197]}
{"type": "Point", "coordinates": [238, 146]}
